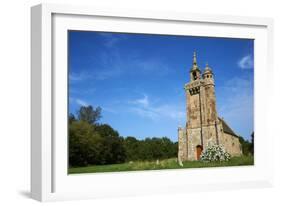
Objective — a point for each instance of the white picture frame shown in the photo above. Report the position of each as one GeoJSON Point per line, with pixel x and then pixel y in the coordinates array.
{"type": "Point", "coordinates": [49, 179]}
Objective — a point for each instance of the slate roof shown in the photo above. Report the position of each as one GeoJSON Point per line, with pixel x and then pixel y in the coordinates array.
{"type": "Point", "coordinates": [226, 128]}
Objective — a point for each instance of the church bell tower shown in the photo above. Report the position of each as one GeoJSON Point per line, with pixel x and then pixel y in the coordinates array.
{"type": "Point", "coordinates": [202, 118]}
{"type": "Point", "coordinates": [203, 127]}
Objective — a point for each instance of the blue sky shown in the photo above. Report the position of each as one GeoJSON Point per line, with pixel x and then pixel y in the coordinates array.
{"type": "Point", "coordinates": [138, 79]}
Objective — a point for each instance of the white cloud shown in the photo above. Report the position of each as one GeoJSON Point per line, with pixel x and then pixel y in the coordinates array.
{"type": "Point", "coordinates": [144, 108]}
{"type": "Point", "coordinates": [81, 102]}
{"type": "Point", "coordinates": [143, 102]}
{"type": "Point", "coordinates": [109, 109]}
{"type": "Point", "coordinates": [246, 62]}
{"type": "Point", "coordinates": [170, 111]}
{"type": "Point", "coordinates": [144, 112]}
{"type": "Point", "coordinates": [235, 104]}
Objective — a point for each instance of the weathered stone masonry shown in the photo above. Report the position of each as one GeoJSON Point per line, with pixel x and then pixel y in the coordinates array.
{"type": "Point", "coordinates": [203, 128]}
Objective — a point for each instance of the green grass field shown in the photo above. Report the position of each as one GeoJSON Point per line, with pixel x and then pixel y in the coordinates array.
{"type": "Point", "coordinates": [162, 164]}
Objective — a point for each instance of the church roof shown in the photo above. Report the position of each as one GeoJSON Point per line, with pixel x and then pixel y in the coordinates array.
{"type": "Point", "coordinates": [227, 129]}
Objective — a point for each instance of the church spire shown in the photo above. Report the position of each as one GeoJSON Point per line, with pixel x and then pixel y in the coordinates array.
{"type": "Point", "coordinates": [194, 63]}
{"type": "Point", "coordinates": [195, 72]}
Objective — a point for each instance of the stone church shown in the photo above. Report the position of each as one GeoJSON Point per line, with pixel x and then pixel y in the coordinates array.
{"type": "Point", "coordinates": [204, 127]}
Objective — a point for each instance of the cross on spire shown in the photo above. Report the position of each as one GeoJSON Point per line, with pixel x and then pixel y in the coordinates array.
{"type": "Point", "coordinates": [194, 58]}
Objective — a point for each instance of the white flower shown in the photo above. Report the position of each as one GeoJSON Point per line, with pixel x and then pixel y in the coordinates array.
{"type": "Point", "coordinates": [215, 153]}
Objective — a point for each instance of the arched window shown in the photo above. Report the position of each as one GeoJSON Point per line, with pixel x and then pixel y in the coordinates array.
{"type": "Point", "coordinates": [194, 75]}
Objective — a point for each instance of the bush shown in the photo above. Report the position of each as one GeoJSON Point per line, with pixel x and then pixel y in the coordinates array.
{"type": "Point", "coordinates": [215, 153]}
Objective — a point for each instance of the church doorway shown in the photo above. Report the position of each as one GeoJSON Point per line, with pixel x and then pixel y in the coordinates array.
{"type": "Point", "coordinates": [199, 150]}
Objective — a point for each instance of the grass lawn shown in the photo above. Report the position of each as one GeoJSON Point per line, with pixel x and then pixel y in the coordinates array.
{"type": "Point", "coordinates": [162, 164]}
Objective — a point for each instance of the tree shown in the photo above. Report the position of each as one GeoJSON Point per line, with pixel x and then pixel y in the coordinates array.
{"type": "Point", "coordinates": [91, 143]}
{"type": "Point", "coordinates": [89, 114]}
{"type": "Point", "coordinates": [131, 145]}
{"type": "Point", "coordinates": [246, 146]}
{"type": "Point", "coordinates": [170, 149]}
{"type": "Point", "coordinates": [252, 143]}
{"type": "Point", "coordinates": [71, 118]}
{"type": "Point", "coordinates": [113, 150]}
{"type": "Point", "coordinates": [150, 148]}
{"type": "Point", "coordinates": [94, 145]}
{"type": "Point", "coordinates": [106, 130]}
{"type": "Point", "coordinates": [84, 144]}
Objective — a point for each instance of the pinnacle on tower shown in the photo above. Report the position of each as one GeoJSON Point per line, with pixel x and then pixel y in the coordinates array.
{"type": "Point", "coordinates": [194, 59]}
{"type": "Point", "coordinates": [207, 68]}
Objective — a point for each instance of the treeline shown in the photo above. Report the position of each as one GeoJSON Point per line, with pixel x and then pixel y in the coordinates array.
{"type": "Point", "coordinates": [92, 143]}
{"type": "Point", "coordinates": [247, 146]}
{"type": "Point", "coordinates": [150, 148]}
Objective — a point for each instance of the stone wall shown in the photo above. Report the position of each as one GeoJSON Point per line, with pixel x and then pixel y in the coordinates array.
{"type": "Point", "coordinates": [209, 104]}
{"type": "Point", "coordinates": [193, 139]}
{"type": "Point", "coordinates": [193, 110]}
{"type": "Point", "coordinates": [231, 144]}
{"type": "Point", "coordinates": [182, 144]}
{"type": "Point", "coordinates": [209, 134]}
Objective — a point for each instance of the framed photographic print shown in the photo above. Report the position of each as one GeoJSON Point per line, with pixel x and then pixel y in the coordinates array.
{"type": "Point", "coordinates": [135, 102]}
